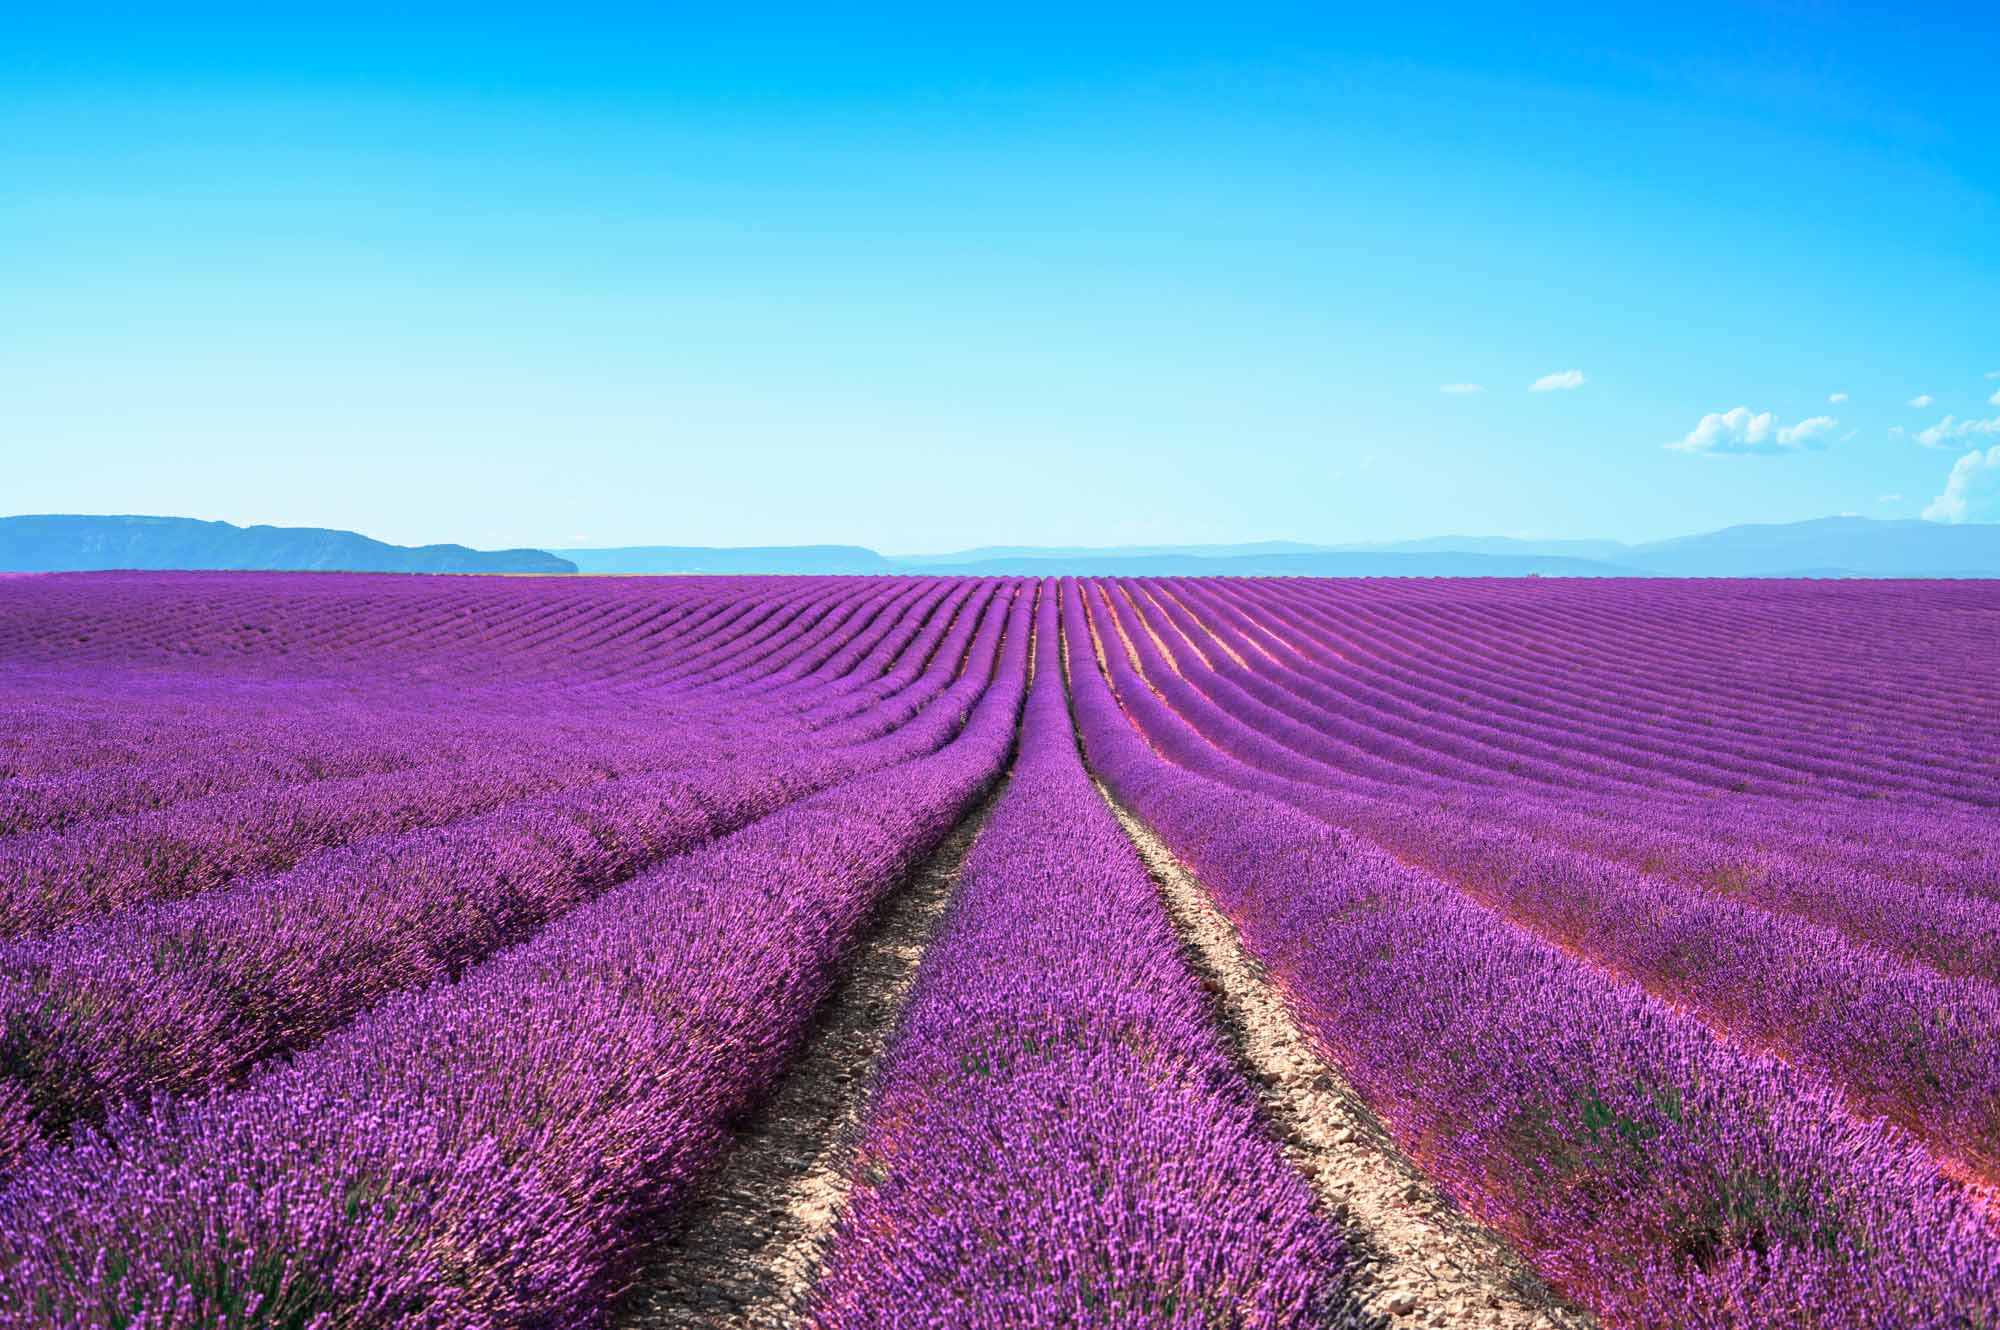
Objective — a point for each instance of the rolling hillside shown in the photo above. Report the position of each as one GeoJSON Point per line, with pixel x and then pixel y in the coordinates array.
{"type": "Point", "coordinates": [50, 544]}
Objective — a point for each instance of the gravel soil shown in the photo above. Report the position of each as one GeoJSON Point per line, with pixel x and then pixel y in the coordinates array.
{"type": "Point", "coordinates": [1424, 1261]}
{"type": "Point", "coordinates": [744, 1256]}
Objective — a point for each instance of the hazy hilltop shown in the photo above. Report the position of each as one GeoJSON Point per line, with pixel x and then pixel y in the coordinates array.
{"type": "Point", "coordinates": [1825, 547]}
{"type": "Point", "coordinates": [1851, 546]}
{"type": "Point", "coordinates": [1822, 547]}
{"type": "Point", "coordinates": [60, 543]}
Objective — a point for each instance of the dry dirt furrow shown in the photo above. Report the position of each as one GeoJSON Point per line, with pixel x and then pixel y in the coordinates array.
{"type": "Point", "coordinates": [745, 1255]}
{"type": "Point", "coordinates": [1424, 1262]}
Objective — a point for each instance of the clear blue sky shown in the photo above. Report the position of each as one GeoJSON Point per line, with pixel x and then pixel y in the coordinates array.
{"type": "Point", "coordinates": [593, 274]}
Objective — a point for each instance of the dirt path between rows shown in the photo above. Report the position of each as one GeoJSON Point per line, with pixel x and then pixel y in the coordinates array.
{"type": "Point", "coordinates": [745, 1255]}
{"type": "Point", "coordinates": [1423, 1261]}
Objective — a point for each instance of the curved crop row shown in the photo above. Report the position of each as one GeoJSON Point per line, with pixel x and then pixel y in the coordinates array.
{"type": "Point", "coordinates": [1905, 1043]}
{"type": "Point", "coordinates": [1649, 1171]}
{"type": "Point", "coordinates": [1058, 1136]}
{"type": "Point", "coordinates": [179, 997]}
{"type": "Point", "coordinates": [50, 878]}
{"type": "Point", "coordinates": [487, 1153]}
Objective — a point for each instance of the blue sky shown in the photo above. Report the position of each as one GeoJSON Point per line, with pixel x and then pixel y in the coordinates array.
{"type": "Point", "coordinates": [600, 274]}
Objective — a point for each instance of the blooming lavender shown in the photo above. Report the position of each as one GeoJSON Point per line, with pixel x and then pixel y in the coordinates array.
{"type": "Point", "coordinates": [489, 1152]}
{"type": "Point", "coordinates": [1903, 1042]}
{"type": "Point", "coordinates": [1058, 1136]}
{"type": "Point", "coordinates": [192, 994]}
{"type": "Point", "coordinates": [397, 951]}
{"type": "Point", "coordinates": [1654, 1173]}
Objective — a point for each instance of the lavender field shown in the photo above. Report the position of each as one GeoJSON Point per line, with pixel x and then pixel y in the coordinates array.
{"type": "Point", "coordinates": [385, 951]}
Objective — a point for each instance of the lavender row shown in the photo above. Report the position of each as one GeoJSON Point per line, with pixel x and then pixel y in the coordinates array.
{"type": "Point", "coordinates": [380, 630]}
{"type": "Point", "coordinates": [964, 599]}
{"type": "Point", "coordinates": [1547, 727]}
{"type": "Point", "coordinates": [1649, 1171]}
{"type": "Point", "coordinates": [807, 646]}
{"type": "Point", "coordinates": [1444, 761]}
{"type": "Point", "coordinates": [783, 644]}
{"type": "Point", "coordinates": [896, 652]}
{"type": "Point", "coordinates": [828, 657]}
{"type": "Point", "coordinates": [1949, 922]}
{"type": "Point", "coordinates": [1640, 655]}
{"type": "Point", "coordinates": [1396, 728]}
{"type": "Point", "coordinates": [491, 1153]}
{"type": "Point", "coordinates": [1559, 708]}
{"type": "Point", "coordinates": [258, 751]}
{"type": "Point", "coordinates": [1375, 678]}
{"type": "Point", "coordinates": [1808, 630]}
{"type": "Point", "coordinates": [288, 624]}
{"type": "Point", "coordinates": [1057, 1136]}
{"type": "Point", "coordinates": [1934, 924]}
{"type": "Point", "coordinates": [52, 878]}
{"type": "Point", "coordinates": [211, 736]}
{"type": "Point", "coordinates": [743, 635]}
{"type": "Point", "coordinates": [176, 997]}
{"type": "Point", "coordinates": [1772, 700]}
{"type": "Point", "coordinates": [868, 653]}
{"type": "Point", "coordinates": [1903, 1042]}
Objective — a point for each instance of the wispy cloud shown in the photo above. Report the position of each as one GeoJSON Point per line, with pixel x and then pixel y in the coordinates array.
{"type": "Point", "coordinates": [1993, 373]}
{"type": "Point", "coordinates": [1972, 491]}
{"type": "Point", "coordinates": [1890, 498]}
{"type": "Point", "coordinates": [1836, 398]}
{"type": "Point", "coordinates": [1922, 399]}
{"type": "Point", "coordinates": [1741, 431]}
{"type": "Point", "coordinates": [1951, 429]}
{"type": "Point", "coordinates": [1994, 400]}
{"type": "Point", "coordinates": [1458, 389]}
{"type": "Point", "coordinates": [1563, 382]}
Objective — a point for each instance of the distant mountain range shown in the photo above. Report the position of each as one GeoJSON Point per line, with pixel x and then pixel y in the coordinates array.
{"type": "Point", "coordinates": [1827, 547]}
{"type": "Point", "coordinates": [52, 544]}
{"type": "Point", "coordinates": [1330, 563]}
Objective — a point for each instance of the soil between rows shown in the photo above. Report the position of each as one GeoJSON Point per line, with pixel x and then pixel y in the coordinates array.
{"type": "Point", "coordinates": [1423, 1261]}
{"type": "Point", "coordinates": [744, 1256]}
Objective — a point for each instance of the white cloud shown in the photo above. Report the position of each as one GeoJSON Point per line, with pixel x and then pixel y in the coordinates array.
{"type": "Point", "coordinates": [1563, 382]}
{"type": "Point", "coordinates": [1462, 388]}
{"type": "Point", "coordinates": [1972, 491]}
{"type": "Point", "coordinates": [1951, 429]}
{"type": "Point", "coordinates": [1836, 398]}
{"type": "Point", "coordinates": [1890, 498]}
{"type": "Point", "coordinates": [1994, 400]}
{"type": "Point", "coordinates": [1922, 399]}
{"type": "Point", "coordinates": [1993, 373]}
{"type": "Point", "coordinates": [1739, 430]}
